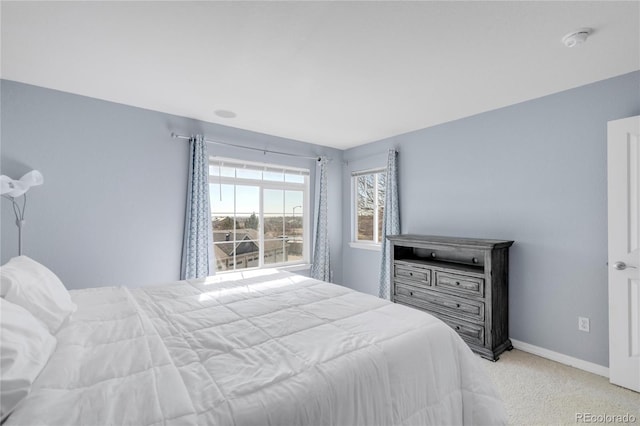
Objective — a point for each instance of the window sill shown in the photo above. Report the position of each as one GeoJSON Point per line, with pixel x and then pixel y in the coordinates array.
{"type": "Point", "coordinates": [289, 268]}
{"type": "Point", "coordinates": [293, 268]}
{"type": "Point", "coordinates": [366, 246]}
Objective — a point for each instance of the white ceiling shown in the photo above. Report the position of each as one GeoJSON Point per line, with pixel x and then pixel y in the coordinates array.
{"type": "Point", "coordinates": [339, 74]}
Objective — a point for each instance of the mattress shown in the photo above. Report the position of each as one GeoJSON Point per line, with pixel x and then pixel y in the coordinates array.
{"type": "Point", "coordinates": [256, 348]}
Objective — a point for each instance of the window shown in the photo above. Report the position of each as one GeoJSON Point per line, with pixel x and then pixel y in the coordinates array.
{"type": "Point", "coordinates": [368, 205]}
{"type": "Point", "coordinates": [259, 214]}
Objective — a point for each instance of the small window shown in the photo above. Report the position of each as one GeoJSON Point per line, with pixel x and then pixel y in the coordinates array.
{"type": "Point", "coordinates": [368, 205]}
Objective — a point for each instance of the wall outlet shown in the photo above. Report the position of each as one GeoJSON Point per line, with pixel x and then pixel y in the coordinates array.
{"type": "Point", "coordinates": [583, 324]}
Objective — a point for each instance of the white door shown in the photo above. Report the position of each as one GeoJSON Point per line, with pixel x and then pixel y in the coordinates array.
{"type": "Point", "coordinates": [624, 254]}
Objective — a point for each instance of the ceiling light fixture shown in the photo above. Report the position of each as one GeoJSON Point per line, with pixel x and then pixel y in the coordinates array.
{"type": "Point", "coordinates": [223, 113]}
{"type": "Point", "coordinates": [576, 37]}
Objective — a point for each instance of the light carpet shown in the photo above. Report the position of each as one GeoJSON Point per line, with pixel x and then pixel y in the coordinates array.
{"type": "Point", "coordinates": [537, 391]}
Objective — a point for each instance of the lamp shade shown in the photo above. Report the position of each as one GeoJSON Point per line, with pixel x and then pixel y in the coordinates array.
{"type": "Point", "coordinates": [33, 178]}
{"type": "Point", "coordinates": [5, 184]}
{"type": "Point", "coordinates": [15, 188]}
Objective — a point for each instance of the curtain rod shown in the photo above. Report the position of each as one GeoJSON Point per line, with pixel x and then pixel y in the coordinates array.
{"type": "Point", "coordinates": [176, 136]}
{"type": "Point", "coordinates": [346, 162]}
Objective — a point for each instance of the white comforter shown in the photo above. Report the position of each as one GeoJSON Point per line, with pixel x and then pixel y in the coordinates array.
{"type": "Point", "coordinates": [259, 348]}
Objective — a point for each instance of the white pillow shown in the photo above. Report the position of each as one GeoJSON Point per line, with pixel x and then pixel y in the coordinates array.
{"type": "Point", "coordinates": [25, 348]}
{"type": "Point", "coordinates": [5, 283]}
{"type": "Point", "coordinates": [31, 285]}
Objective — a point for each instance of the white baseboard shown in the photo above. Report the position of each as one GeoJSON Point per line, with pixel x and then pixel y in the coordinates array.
{"type": "Point", "coordinates": [561, 358]}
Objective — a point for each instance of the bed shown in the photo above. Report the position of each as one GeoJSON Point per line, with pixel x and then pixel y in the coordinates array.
{"type": "Point", "coordinates": [254, 348]}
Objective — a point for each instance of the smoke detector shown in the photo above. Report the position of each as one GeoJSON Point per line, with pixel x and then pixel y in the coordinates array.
{"type": "Point", "coordinates": [577, 37]}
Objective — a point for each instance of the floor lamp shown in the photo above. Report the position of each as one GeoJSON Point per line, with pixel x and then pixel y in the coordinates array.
{"type": "Point", "coordinates": [12, 189]}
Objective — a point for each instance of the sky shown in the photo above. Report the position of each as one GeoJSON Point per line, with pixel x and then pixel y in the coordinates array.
{"type": "Point", "coordinates": [244, 200]}
{"type": "Point", "coordinates": [247, 200]}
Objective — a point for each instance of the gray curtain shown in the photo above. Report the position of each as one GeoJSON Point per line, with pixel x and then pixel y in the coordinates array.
{"type": "Point", "coordinates": [321, 267]}
{"type": "Point", "coordinates": [197, 249]}
{"type": "Point", "coordinates": [390, 220]}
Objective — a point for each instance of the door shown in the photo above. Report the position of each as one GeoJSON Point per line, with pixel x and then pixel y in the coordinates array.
{"type": "Point", "coordinates": [624, 255]}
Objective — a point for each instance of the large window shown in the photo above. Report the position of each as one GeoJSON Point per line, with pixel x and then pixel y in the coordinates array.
{"type": "Point", "coordinates": [259, 214]}
{"type": "Point", "coordinates": [368, 205]}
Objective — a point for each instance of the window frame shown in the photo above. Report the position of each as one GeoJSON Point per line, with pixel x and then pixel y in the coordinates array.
{"type": "Point", "coordinates": [262, 185]}
{"type": "Point", "coordinates": [355, 241]}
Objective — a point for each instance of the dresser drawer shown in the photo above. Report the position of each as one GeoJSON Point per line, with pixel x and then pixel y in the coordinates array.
{"type": "Point", "coordinates": [412, 273]}
{"type": "Point", "coordinates": [443, 303]}
{"type": "Point", "coordinates": [470, 333]}
{"type": "Point", "coordinates": [463, 285]}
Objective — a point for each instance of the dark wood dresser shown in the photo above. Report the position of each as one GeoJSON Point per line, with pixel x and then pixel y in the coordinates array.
{"type": "Point", "coordinates": [462, 281]}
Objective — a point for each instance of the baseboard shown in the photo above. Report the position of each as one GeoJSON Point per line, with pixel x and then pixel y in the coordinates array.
{"type": "Point", "coordinates": [561, 358]}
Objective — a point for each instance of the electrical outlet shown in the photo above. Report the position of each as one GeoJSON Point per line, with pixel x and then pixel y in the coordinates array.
{"type": "Point", "coordinates": [583, 324]}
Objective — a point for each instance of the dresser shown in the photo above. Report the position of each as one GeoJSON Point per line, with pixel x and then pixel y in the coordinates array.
{"type": "Point", "coordinates": [462, 281]}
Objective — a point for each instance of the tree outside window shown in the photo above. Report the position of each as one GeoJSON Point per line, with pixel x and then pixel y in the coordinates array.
{"type": "Point", "coordinates": [369, 190]}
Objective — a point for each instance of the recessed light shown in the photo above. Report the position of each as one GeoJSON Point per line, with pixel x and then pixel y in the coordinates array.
{"type": "Point", "coordinates": [225, 113]}
{"type": "Point", "coordinates": [577, 37]}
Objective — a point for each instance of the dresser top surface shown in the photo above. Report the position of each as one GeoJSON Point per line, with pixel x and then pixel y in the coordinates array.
{"type": "Point", "coordinates": [448, 241]}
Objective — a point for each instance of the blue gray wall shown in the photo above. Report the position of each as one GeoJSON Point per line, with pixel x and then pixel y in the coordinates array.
{"type": "Point", "coordinates": [112, 207]}
{"type": "Point", "coordinates": [535, 173]}
{"type": "Point", "coordinates": [111, 210]}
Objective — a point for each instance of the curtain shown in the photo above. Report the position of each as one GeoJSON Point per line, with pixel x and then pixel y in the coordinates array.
{"type": "Point", "coordinates": [390, 220]}
{"type": "Point", "coordinates": [321, 267]}
{"type": "Point", "coordinates": [197, 249]}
